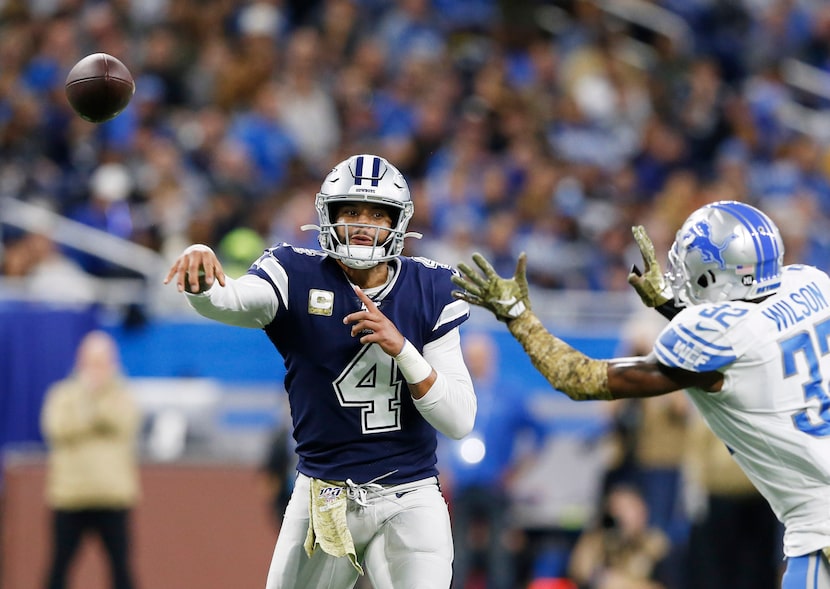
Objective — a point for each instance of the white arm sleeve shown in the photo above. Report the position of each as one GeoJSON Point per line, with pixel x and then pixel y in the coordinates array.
{"type": "Point", "coordinates": [248, 301]}
{"type": "Point", "coordinates": [450, 404]}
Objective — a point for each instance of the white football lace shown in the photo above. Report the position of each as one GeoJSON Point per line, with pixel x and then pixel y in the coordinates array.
{"type": "Point", "coordinates": [359, 492]}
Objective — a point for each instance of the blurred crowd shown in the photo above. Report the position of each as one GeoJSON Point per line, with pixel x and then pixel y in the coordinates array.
{"type": "Point", "coordinates": [544, 126]}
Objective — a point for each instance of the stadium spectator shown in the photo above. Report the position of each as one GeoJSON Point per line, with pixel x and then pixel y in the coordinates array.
{"type": "Point", "coordinates": [735, 540]}
{"type": "Point", "coordinates": [278, 470]}
{"type": "Point", "coordinates": [410, 27]}
{"type": "Point", "coordinates": [742, 323]}
{"type": "Point", "coordinates": [107, 209]}
{"type": "Point", "coordinates": [653, 441]}
{"type": "Point", "coordinates": [621, 550]}
{"type": "Point", "coordinates": [659, 433]}
{"type": "Point", "coordinates": [307, 109]}
{"type": "Point", "coordinates": [265, 138]}
{"type": "Point", "coordinates": [40, 264]}
{"type": "Point", "coordinates": [91, 423]}
{"type": "Point", "coordinates": [478, 470]}
{"type": "Point", "coordinates": [606, 95]}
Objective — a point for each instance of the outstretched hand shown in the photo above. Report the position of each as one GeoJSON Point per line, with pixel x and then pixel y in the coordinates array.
{"type": "Point", "coordinates": [196, 269]}
{"type": "Point", "coordinates": [507, 298]}
{"type": "Point", "coordinates": [650, 284]}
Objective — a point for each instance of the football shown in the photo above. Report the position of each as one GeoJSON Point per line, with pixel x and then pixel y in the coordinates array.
{"type": "Point", "coordinates": [99, 87]}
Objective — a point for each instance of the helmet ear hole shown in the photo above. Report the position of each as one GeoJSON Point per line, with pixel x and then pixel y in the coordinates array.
{"type": "Point", "coordinates": [706, 279]}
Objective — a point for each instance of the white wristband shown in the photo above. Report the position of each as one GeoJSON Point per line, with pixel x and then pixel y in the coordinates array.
{"type": "Point", "coordinates": [412, 365]}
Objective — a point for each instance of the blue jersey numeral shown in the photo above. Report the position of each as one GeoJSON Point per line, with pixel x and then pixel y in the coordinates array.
{"type": "Point", "coordinates": [813, 386]}
{"type": "Point", "coordinates": [723, 313]}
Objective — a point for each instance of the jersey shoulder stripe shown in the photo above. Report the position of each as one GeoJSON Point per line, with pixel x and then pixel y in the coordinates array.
{"type": "Point", "coordinates": [453, 311]}
{"type": "Point", "coordinates": [696, 334]}
{"type": "Point", "coordinates": [430, 281]}
{"type": "Point", "coordinates": [677, 350]}
{"type": "Point", "coordinates": [694, 341]}
{"type": "Point", "coordinates": [268, 265]}
{"type": "Point", "coordinates": [275, 263]}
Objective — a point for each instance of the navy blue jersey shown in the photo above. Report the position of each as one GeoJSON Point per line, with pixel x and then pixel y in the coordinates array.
{"type": "Point", "coordinates": [351, 409]}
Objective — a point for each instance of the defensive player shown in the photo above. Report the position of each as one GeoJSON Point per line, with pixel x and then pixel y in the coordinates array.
{"type": "Point", "coordinates": [750, 344]}
{"type": "Point", "coordinates": [371, 345]}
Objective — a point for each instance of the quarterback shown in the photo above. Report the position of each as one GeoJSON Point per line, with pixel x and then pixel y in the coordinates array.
{"type": "Point", "coordinates": [749, 340]}
{"type": "Point", "coordinates": [370, 341]}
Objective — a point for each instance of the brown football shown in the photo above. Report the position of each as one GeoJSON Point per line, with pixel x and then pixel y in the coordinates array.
{"type": "Point", "coordinates": [99, 87]}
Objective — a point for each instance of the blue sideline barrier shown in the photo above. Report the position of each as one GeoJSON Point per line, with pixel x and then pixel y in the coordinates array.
{"type": "Point", "coordinates": [38, 342]}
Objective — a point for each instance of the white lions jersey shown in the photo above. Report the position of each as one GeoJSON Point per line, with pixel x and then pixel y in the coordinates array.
{"type": "Point", "coordinates": [774, 409]}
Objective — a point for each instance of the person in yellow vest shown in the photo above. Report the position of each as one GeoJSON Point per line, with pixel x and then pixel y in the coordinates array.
{"type": "Point", "coordinates": [91, 423]}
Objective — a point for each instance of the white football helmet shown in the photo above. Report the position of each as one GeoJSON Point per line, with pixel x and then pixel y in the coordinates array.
{"type": "Point", "coordinates": [370, 179]}
{"type": "Point", "coordinates": [725, 251]}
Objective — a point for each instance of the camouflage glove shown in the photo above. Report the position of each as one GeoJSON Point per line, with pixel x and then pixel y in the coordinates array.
{"type": "Point", "coordinates": [507, 298]}
{"type": "Point", "coordinates": [651, 283]}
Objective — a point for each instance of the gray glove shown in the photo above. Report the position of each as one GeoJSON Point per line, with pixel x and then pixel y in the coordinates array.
{"type": "Point", "coordinates": [507, 298]}
{"type": "Point", "coordinates": [651, 283]}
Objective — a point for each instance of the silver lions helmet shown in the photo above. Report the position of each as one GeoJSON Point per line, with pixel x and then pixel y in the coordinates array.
{"type": "Point", "coordinates": [366, 179]}
{"type": "Point", "coordinates": [725, 251]}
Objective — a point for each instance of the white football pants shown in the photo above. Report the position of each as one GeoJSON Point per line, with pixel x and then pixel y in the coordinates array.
{"type": "Point", "coordinates": [402, 538]}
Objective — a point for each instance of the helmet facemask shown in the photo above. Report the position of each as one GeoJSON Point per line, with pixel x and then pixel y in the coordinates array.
{"type": "Point", "coordinates": [363, 179]}
{"type": "Point", "coordinates": [362, 256]}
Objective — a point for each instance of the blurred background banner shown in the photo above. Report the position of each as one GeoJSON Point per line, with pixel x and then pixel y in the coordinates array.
{"type": "Point", "coordinates": [37, 347]}
{"type": "Point", "coordinates": [170, 358]}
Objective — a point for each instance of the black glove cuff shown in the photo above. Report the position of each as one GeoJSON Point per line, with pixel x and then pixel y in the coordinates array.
{"type": "Point", "coordinates": [668, 309]}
